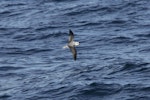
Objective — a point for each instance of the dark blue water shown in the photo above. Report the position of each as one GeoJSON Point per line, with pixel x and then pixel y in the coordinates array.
{"type": "Point", "coordinates": [113, 61]}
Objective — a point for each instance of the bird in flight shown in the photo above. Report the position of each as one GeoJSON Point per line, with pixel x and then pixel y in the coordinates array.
{"type": "Point", "coordinates": [71, 44]}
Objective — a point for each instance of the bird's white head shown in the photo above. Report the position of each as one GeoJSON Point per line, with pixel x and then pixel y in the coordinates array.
{"type": "Point", "coordinates": [76, 43]}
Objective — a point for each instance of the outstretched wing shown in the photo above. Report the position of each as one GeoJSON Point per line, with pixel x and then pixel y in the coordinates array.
{"type": "Point", "coordinates": [74, 52]}
{"type": "Point", "coordinates": [71, 36]}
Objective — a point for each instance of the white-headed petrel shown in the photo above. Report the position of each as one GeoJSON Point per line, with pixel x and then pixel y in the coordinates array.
{"type": "Point", "coordinates": [71, 44]}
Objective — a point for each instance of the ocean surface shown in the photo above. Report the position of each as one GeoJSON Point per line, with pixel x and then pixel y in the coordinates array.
{"type": "Point", "coordinates": [113, 58]}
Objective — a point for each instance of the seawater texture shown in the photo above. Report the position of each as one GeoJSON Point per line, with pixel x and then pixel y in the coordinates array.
{"type": "Point", "coordinates": [113, 60]}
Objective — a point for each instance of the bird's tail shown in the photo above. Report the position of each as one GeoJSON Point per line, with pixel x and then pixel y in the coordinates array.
{"type": "Point", "coordinates": [64, 47]}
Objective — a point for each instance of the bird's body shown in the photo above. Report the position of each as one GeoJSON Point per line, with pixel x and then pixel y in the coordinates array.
{"type": "Point", "coordinates": [71, 44]}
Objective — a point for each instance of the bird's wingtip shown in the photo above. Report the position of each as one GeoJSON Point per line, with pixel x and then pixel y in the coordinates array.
{"type": "Point", "coordinates": [75, 59]}
{"type": "Point", "coordinates": [70, 31]}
